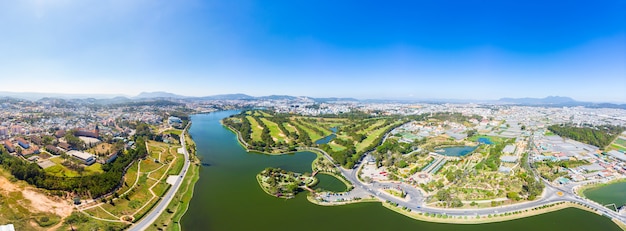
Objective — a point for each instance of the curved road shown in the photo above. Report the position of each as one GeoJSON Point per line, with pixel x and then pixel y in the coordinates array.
{"type": "Point", "coordinates": [149, 218]}
{"type": "Point", "coordinates": [416, 200]}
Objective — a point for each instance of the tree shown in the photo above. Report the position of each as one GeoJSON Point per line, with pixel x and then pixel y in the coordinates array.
{"type": "Point", "coordinates": [513, 196]}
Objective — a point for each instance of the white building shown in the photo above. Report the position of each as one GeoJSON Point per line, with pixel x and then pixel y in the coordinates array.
{"type": "Point", "coordinates": [8, 227]}
{"type": "Point", "coordinates": [87, 158]}
{"type": "Point", "coordinates": [617, 155]}
{"type": "Point", "coordinates": [509, 149]}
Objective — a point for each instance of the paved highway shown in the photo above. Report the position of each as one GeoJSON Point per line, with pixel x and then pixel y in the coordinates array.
{"type": "Point", "coordinates": [149, 218]}
{"type": "Point", "coordinates": [416, 200]}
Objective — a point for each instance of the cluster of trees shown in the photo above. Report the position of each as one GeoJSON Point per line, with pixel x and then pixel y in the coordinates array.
{"type": "Point", "coordinates": [346, 157]}
{"type": "Point", "coordinates": [391, 152]}
{"type": "Point", "coordinates": [94, 185]}
{"type": "Point", "coordinates": [281, 181]}
{"type": "Point", "coordinates": [74, 141]}
{"type": "Point", "coordinates": [599, 136]}
{"type": "Point", "coordinates": [240, 123]}
{"type": "Point", "coordinates": [492, 162]}
{"type": "Point", "coordinates": [353, 129]}
{"type": "Point", "coordinates": [447, 199]}
{"type": "Point", "coordinates": [392, 145]}
{"type": "Point", "coordinates": [531, 187]}
{"type": "Point", "coordinates": [280, 120]}
{"type": "Point", "coordinates": [308, 125]}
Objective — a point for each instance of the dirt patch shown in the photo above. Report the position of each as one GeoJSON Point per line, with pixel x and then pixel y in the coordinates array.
{"type": "Point", "coordinates": [38, 202]}
{"type": "Point", "coordinates": [44, 203]}
{"type": "Point", "coordinates": [5, 185]}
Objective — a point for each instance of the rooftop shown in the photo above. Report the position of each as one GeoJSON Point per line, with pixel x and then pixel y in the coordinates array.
{"type": "Point", "coordinates": [81, 155]}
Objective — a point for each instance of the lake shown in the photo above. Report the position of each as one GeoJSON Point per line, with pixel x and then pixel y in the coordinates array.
{"type": "Point", "coordinates": [614, 193]}
{"type": "Point", "coordinates": [328, 138]}
{"type": "Point", "coordinates": [456, 150]}
{"type": "Point", "coordinates": [227, 196]}
{"type": "Point", "coordinates": [485, 140]}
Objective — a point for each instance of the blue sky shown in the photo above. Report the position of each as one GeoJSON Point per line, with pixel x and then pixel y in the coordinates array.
{"type": "Point", "coordinates": [363, 49]}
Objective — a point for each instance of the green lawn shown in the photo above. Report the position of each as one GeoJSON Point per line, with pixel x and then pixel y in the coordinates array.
{"type": "Point", "coordinates": [99, 212]}
{"type": "Point", "coordinates": [177, 208]}
{"type": "Point", "coordinates": [372, 136]}
{"type": "Point", "coordinates": [617, 147]}
{"type": "Point", "coordinates": [177, 165]}
{"type": "Point", "coordinates": [87, 223]}
{"type": "Point", "coordinates": [275, 132]}
{"type": "Point", "coordinates": [372, 126]}
{"type": "Point", "coordinates": [160, 188]}
{"type": "Point", "coordinates": [129, 178]}
{"type": "Point", "coordinates": [174, 131]}
{"type": "Point", "coordinates": [257, 130]}
{"type": "Point", "coordinates": [94, 169]}
{"type": "Point", "coordinates": [138, 197]}
{"type": "Point", "coordinates": [60, 170]}
{"type": "Point", "coordinates": [316, 125]}
{"type": "Point", "coordinates": [494, 139]}
{"type": "Point", "coordinates": [336, 147]}
{"type": "Point", "coordinates": [312, 134]}
{"type": "Point", "coordinates": [265, 114]}
{"type": "Point", "coordinates": [149, 165]}
{"type": "Point", "coordinates": [290, 128]}
{"type": "Point", "coordinates": [621, 142]}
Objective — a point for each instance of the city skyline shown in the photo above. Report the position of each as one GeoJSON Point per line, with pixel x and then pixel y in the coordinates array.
{"type": "Point", "coordinates": [400, 50]}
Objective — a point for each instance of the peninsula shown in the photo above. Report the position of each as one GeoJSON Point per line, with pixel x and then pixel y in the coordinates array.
{"type": "Point", "coordinates": [439, 167]}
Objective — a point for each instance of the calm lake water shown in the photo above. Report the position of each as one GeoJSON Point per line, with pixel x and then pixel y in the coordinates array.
{"type": "Point", "coordinates": [227, 197]}
{"type": "Point", "coordinates": [608, 194]}
{"type": "Point", "coordinates": [485, 140]}
{"type": "Point", "coordinates": [456, 151]}
{"type": "Point", "coordinates": [327, 138]}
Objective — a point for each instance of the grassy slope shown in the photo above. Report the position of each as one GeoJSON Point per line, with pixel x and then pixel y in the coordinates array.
{"type": "Point", "coordinates": [312, 134]}
{"type": "Point", "coordinates": [14, 209]}
{"type": "Point", "coordinates": [372, 136]}
{"type": "Point", "coordinates": [176, 209]}
{"type": "Point", "coordinates": [256, 129]}
{"type": "Point", "coordinates": [274, 130]}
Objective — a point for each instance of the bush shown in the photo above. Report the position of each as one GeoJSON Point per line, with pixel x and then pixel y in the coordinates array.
{"type": "Point", "coordinates": [76, 218]}
{"type": "Point", "coordinates": [45, 221]}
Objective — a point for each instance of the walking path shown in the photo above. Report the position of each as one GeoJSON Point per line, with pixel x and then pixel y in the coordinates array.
{"type": "Point", "coordinates": [552, 194]}
{"type": "Point", "coordinates": [149, 218]}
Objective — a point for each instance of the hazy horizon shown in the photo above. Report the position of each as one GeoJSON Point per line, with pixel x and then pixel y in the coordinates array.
{"type": "Point", "coordinates": [39, 95]}
{"type": "Point", "coordinates": [473, 50]}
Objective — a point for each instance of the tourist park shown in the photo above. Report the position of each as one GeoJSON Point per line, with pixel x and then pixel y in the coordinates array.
{"type": "Point", "coordinates": [441, 167]}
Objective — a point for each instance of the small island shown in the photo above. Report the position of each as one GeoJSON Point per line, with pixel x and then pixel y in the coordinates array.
{"type": "Point", "coordinates": [284, 184]}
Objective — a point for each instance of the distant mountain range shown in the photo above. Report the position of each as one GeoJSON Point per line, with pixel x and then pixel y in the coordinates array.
{"type": "Point", "coordinates": [550, 101]}
{"type": "Point", "coordinates": [39, 95]}
{"type": "Point", "coordinates": [546, 100]}
{"type": "Point", "coordinates": [158, 94]}
{"type": "Point", "coordinates": [558, 101]}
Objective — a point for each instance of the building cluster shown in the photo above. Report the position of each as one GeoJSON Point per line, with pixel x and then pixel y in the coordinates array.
{"type": "Point", "coordinates": [417, 130]}
{"type": "Point", "coordinates": [603, 165]}
{"type": "Point", "coordinates": [37, 130]}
